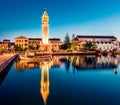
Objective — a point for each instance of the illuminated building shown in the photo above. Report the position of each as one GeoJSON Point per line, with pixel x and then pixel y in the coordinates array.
{"type": "Point", "coordinates": [22, 41]}
{"type": "Point", "coordinates": [104, 43]}
{"type": "Point", "coordinates": [45, 27]}
{"type": "Point", "coordinates": [45, 43]}
{"type": "Point", "coordinates": [6, 45]}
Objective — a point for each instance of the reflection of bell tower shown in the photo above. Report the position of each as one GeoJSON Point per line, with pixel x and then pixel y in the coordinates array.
{"type": "Point", "coordinates": [45, 27]}
{"type": "Point", "coordinates": [45, 81]}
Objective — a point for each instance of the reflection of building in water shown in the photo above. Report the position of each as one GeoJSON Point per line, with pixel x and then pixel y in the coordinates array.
{"type": "Point", "coordinates": [45, 81]}
{"type": "Point", "coordinates": [45, 66]}
{"type": "Point", "coordinates": [23, 64]}
{"type": "Point", "coordinates": [84, 62]}
{"type": "Point", "coordinates": [56, 61]}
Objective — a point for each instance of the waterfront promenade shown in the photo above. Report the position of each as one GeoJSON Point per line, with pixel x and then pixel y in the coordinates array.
{"type": "Point", "coordinates": [67, 53]}
{"type": "Point", "coordinates": [5, 60]}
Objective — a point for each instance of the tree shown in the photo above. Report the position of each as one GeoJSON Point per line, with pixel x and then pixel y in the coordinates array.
{"type": "Point", "coordinates": [18, 48]}
{"type": "Point", "coordinates": [38, 46]}
{"type": "Point", "coordinates": [90, 46]}
{"type": "Point", "coordinates": [94, 46]}
{"type": "Point", "coordinates": [63, 47]}
{"type": "Point", "coordinates": [67, 39]}
{"type": "Point", "coordinates": [73, 36]}
{"type": "Point", "coordinates": [34, 47]}
{"type": "Point", "coordinates": [73, 43]}
{"type": "Point", "coordinates": [67, 44]}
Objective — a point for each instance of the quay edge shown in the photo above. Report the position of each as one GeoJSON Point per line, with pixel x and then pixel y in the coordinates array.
{"type": "Point", "coordinates": [7, 62]}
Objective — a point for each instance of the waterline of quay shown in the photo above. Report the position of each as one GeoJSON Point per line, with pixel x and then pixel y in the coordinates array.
{"type": "Point", "coordinates": [6, 59]}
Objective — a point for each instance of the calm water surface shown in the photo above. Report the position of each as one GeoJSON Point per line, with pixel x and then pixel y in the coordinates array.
{"type": "Point", "coordinates": [64, 80]}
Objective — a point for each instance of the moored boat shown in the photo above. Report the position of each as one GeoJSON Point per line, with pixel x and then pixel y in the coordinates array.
{"type": "Point", "coordinates": [36, 58]}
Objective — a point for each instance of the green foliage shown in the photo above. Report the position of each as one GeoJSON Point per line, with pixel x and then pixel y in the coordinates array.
{"type": "Point", "coordinates": [67, 44]}
{"type": "Point", "coordinates": [35, 47]}
{"type": "Point", "coordinates": [67, 39]}
{"type": "Point", "coordinates": [63, 47]}
{"type": "Point", "coordinates": [73, 44]}
{"type": "Point", "coordinates": [31, 47]}
{"type": "Point", "coordinates": [18, 48]}
{"type": "Point", "coordinates": [25, 49]}
{"type": "Point", "coordinates": [73, 36]}
{"type": "Point", "coordinates": [90, 46]}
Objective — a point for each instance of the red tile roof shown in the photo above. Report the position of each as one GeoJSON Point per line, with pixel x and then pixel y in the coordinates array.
{"type": "Point", "coordinates": [56, 39]}
{"type": "Point", "coordinates": [35, 38]}
{"type": "Point", "coordinates": [91, 36]}
{"type": "Point", "coordinates": [6, 40]}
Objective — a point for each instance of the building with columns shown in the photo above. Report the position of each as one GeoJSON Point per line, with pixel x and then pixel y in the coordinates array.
{"type": "Point", "coordinates": [104, 43]}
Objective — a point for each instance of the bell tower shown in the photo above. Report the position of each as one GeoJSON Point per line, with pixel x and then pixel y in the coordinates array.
{"type": "Point", "coordinates": [45, 46]}
{"type": "Point", "coordinates": [45, 27]}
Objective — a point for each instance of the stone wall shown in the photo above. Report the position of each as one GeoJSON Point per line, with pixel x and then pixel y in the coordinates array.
{"type": "Point", "coordinates": [5, 64]}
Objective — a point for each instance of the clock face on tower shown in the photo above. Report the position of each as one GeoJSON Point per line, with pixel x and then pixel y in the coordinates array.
{"type": "Point", "coordinates": [45, 30]}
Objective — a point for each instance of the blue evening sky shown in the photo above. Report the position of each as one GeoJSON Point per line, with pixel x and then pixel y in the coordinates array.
{"type": "Point", "coordinates": [83, 17]}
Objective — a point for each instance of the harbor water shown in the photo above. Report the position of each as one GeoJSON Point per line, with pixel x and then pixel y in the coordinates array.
{"type": "Point", "coordinates": [62, 80]}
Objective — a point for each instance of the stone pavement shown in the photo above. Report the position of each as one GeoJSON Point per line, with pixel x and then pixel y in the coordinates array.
{"type": "Point", "coordinates": [4, 58]}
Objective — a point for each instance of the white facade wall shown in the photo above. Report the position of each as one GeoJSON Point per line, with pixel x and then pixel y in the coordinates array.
{"type": "Point", "coordinates": [117, 45]}
{"type": "Point", "coordinates": [109, 46]}
{"type": "Point", "coordinates": [105, 46]}
{"type": "Point", "coordinates": [95, 39]}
